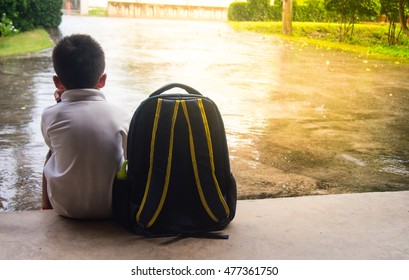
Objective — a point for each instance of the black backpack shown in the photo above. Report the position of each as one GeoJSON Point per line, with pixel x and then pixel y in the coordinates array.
{"type": "Point", "coordinates": [178, 179]}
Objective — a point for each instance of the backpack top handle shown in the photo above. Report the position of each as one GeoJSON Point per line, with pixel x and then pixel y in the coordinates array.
{"type": "Point", "coordinates": [167, 87]}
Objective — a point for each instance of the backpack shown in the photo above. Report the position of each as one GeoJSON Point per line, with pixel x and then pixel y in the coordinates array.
{"type": "Point", "coordinates": [178, 179]}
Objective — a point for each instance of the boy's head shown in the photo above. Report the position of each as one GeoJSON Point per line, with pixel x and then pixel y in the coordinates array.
{"type": "Point", "coordinates": [79, 61]}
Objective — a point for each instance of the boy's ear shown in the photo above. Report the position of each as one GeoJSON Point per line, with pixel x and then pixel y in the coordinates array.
{"type": "Point", "coordinates": [57, 82]}
{"type": "Point", "coordinates": [101, 81]}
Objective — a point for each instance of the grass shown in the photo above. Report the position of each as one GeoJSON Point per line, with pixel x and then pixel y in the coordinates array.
{"type": "Point", "coordinates": [26, 42]}
{"type": "Point", "coordinates": [98, 12]}
{"type": "Point", "coordinates": [368, 39]}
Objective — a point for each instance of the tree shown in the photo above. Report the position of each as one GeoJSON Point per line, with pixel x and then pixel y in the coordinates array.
{"type": "Point", "coordinates": [390, 8]}
{"type": "Point", "coordinates": [402, 16]}
{"type": "Point", "coordinates": [395, 12]}
{"type": "Point", "coordinates": [350, 11]}
{"type": "Point", "coordinates": [287, 17]}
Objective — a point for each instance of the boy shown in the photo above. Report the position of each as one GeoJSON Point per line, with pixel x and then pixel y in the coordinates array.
{"type": "Point", "coordinates": [86, 135]}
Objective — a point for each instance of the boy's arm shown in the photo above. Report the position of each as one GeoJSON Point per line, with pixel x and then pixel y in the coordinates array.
{"type": "Point", "coordinates": [46, 204]}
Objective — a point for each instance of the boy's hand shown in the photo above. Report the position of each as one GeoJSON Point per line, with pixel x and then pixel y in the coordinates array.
{"type": "Point", "coordinates": [57, 94]}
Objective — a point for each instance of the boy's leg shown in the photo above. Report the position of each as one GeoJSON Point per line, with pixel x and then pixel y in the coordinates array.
{"type": "Point", "coordinates": [46, 204]}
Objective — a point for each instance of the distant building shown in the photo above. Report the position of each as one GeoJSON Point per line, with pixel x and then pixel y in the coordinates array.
{"type": "Point", "coordinates": [210, 3]}
{"type": "Point", "coordinates": [83, 6]}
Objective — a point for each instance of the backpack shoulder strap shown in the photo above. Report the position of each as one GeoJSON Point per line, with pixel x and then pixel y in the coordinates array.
{"type": "Point", "coordinates": [201, 149]}
{"type": "Point", "coordinates": [157, 185]}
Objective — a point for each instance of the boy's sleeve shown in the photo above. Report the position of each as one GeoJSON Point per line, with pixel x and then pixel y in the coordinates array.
{"type": "Point", "coordinates": [126, 119]}
{"type": "Point", "coordinates": [124, 135]}
{"type": "Point", "coordinates": [44, 128]}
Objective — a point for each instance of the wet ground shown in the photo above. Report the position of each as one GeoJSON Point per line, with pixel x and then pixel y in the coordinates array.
{"type": "Point", "coordinates": [300, 120]}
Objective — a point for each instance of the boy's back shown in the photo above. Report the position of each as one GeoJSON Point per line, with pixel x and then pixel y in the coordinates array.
{"type": "Point", "coordinates": [86, 135]}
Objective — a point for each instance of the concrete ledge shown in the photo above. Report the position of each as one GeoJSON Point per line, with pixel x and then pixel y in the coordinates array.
{"type": "Point", "coordinates": [351, 226]}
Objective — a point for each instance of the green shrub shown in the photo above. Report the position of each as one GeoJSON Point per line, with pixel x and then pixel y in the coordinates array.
{"type": "Point", "coordinates": [6, 27]}
{"type": "Point", "coordinates": [30, 14]}
{"type": "Point", "coordinates": [238, 12]}
{"type": "Point", "coordinates": [98, 12]}
{"type": "Point", "coordinates": [47, 13]}
{"type": "Point", "coordinates": [260, 10]}
{"type": "Point", "coordinates": [254, 10]}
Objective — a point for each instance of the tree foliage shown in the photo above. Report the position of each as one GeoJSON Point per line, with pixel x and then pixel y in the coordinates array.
{"type": "Point", "coordinates": [403, 7]}
{"type": "Point", "coordinates": [351, 11]}
{"type": "Point", "coordinates": [29, 14]}
{"type": "Point", "coordinates": [390, 8]}
{"type": "Point", "coordinates": [345, 12]}
{"type": "Point", "coordinates": [396, 13]}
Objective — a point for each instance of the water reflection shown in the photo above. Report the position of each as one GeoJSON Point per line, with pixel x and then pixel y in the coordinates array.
{"type": "Point", "coordinates": [342, 122]}
{"type": "Point", "coordinates": [20, 142]}
{"type": "Point", "coordinates": [300, 120]}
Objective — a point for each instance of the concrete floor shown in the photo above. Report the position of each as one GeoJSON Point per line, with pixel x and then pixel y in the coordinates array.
{"type": "Point", "coordinates": [372, 226]}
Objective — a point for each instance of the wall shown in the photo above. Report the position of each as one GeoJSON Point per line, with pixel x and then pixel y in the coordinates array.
{"type": "Point", "coordinates": [211, 3]}
{"type": "Point", "coordinates": [156, 10]}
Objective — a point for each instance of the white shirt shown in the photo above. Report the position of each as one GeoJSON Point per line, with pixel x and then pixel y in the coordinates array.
{"type": "Point", "coordinates": [87, 137]}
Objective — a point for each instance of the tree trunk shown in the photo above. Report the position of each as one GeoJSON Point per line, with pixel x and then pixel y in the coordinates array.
{"type": "Point", "coordinates": [403, 17]}
{"type": "Point", "coordinates": [287, 17]}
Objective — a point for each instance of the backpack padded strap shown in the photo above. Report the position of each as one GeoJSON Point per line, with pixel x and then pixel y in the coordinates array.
{"type": "Point", "coordinates": [157, 184]}
{"type": "Point", "coordinates": [203, 161]}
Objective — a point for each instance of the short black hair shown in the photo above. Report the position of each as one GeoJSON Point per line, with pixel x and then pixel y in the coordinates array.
{"type": "Point", "coordinates": [79, 61]}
